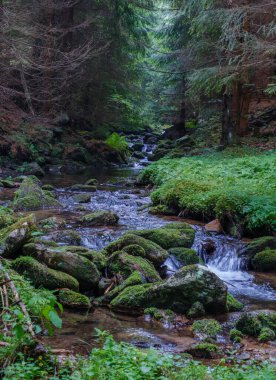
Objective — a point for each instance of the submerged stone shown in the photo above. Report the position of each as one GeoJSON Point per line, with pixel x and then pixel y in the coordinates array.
{"type": "Point", "coordinates": [73, 300]}
{"type": "Point", "coordinates": [82, 198]}
{"type": "Point", "coordinates": [100, 218]}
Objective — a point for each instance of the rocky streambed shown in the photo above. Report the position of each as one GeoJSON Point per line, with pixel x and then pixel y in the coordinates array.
{"type": "Point", "coordinates": [158, 266]}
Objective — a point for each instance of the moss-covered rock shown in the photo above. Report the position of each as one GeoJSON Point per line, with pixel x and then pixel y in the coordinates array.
{"type": "Point", "coordinates": [235, 335]}
{"type": "Point", "coordinates": [196, 310]}
{"type": "Point", "coordinates": [233, 304]}
{"type": "Point", "coordinates": [190, 284]}
{"type": "Point", "coordinates": [92, 182]}
{"type": "Point", "coordinates": [30, 196]}
{"type": "Point", "coordinates": [161, 210]}
{"type": "Point", "coordinates": [13, 238]}
{"type": "Point", "coordinates": [74, 300]}
{"type": "Point", "coordinates": [135, 250]}
{"type": "Point", "coordinates": [82, 198]}
{"type": "Point", "coordinates": [266, 335]}
{"type": "Point", "coordinates": [42, 276]}
{"type": "Point", "coordinates": [265, 261]}
{"type": "Point", "coordinates": [8, 184]}
{"type": "Point", "coordinates": [259, 245]}
{"type": "Point", "coordinates": [51, 223]}
{"type": "Point", "coordinates": [100, 218]}
{"type": "Point", "coordinates": [186, 256]}
{"type": "Point", "coordinates": [206, 328]}
{"type": "Point", "coordinates": [252, 323]}
{"type": "Point", "coordinates": [205, 351]}
{"type": "Point", "coordinates": [170, 236]}
{"type": "Point", "coordinates": [80, 187]}
{"type": "Point", "coordinates": [154, 313]}
{"type": "Point", "coordinates": [48, 187]}
{"type": "Point", "coordinates": [124, 264]}
{"type": "Point", "coordinates": [153, 252]}
{"type": "Point", "coordinates": [64, 260]}
{"type": "Point", "coordinates": [70, 237]}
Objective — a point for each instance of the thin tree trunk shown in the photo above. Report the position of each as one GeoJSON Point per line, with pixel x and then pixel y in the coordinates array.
{"type": "Point", "coordinates": [26, 90]}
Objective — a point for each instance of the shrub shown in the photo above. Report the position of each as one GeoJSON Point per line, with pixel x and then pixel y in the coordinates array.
{"type": "Point", "coordinates": [117, 143]}
{"type": "Point", "coordinates": [207, 328]}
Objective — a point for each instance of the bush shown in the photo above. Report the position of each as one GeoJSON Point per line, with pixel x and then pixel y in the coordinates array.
{"type": "Point", "coordinates": [207, 328]}
{"type": "Point", "coordinates": [118, 143]}
{"type": "Point", "coordinates": [266, 335]}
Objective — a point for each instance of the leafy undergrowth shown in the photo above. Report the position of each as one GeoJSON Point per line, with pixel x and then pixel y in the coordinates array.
{"type": "Point", "coordinates": [121, 361]}
{"type": "Point", "coordinates": [236, 185]}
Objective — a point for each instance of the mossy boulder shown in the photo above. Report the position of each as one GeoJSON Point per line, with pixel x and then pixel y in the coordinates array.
{"type": "Point", "coordinates": [13, 238]}
{"type": "Point", "coordinates": [51, 223]}
{"type": "Point", "coordinates": [253, 322]}
{"type": "Point", "coordinates": [190, 284]}
{"type": "Point", "coordinates": [186, 256]}
{"type": "Point", "coordinates": [8, 184]}
{"type": "Point", "coordinates": [82, 198]}
{"type": "Point", "coordinates": [266, 335]}
{"type": "Point", "coordinates": [64, 260]}
{"type": "Point", "coordinates": [153, 252]}
{"type": "Point", "coordinates": [196, 310]}
{"type": "Point", "coordinates": [161, 210]}
{"type": "Point", "coordinates": [122, 263]}
{"type": "Point", "coordinates": [136, 278]}
{"type": "Point", "coordinates": [233, 304]}
{"type": "Point", "coordinates": [170, 236]}
{"type": "Point", "coordinates": [30, 196]}
{"type": "Point", "coordinates": [100, 218]}
{"type": "Point", "coordinates": [73, 300]}
{"type": "Point", "coordinates": [32, 168]}
{"type": "Point", "coordinates": [80, 187]}
{"type": "Point", "coordinates": [70, 237]}
{"type": "Point", "coordinates": [265, 261]}
{"type": "Point", "coordinates": [135, 250]}
{"type": "Point", "coordinates": [259, 245]}
{"type": "Point", "coordinates": [42, 276]}
{"type": "Point", "coordinates": [48, 187]}
{"type": "Point", "coordinates": [206, 328]}
{"type": "Point", "coordinates": [92, 182]}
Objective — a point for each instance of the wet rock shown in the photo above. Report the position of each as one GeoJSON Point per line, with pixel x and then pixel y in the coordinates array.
{"type": "Point", "coordinates": [196, 310]}
{"type": "Point", "coordinates": [135, 250]}
{"type": "Point", "coordinates": [82, 198]}
{"type": "Point", "coordinates": [100, 218]}
{"type": "Point", "coordinates": [30, 196]}
{"type": "Point", "coordinates": [48, 187]}
{"type": "Point", "coordinates": [233, 304]}
{"type": "Point", "coordinates": [214, 226]}
{"type": "Point", "coordinates": [153, 252]}
{"type": "Point", "coordinates": [7, 217]}
{"type": "Point", "coordinates": [13, 238]}
{"type": "Point", "coordinates": [64, 260]}
{"type": "Point", "coordinates": [73, 300]}
{"type": "Point", "coordinates": [259, 245]}
{"type": "Point", "coordinates": [206, 329]}
{"type": "Point", "coordinates": [124, 264]}
{"type": "Point", "coordinates": [162, 210]}
{"type": "Point", "coordinates": [69, 237]}
{"type": "Point", "coordinates": [171, 236]}
{"type": "Point", "coordinates": [8, 184]}
{"type": "Point", "coordinates": [138, 146]}
{"type": "Point", "coordinates": [186, 256]}
{"type": "Point", "coordinates": [209, 246]}
{"type": "Point", "coordinates": [80, 187]}
{"type": "Point", "coordinates": [42, 276]}
{"type": "Point", "coordinates": [190, 284]}
{"type": "Point", "coordinates": [253, 322]}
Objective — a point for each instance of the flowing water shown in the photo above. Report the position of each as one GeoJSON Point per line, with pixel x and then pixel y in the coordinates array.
{"type": "Point", "coordinates": [117, 192]}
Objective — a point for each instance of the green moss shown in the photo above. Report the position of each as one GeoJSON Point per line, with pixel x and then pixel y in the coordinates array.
{"type": "Point", "coordinates": [249, 325]}
{"type": "Point", "coordinates": [154, 313]}
{"type": "Point", "coordinates": [161, 210]}
{"type": "Point", "coordinates": [207, 328]}
{"type": "Point", "coordinates": [123, 263]}
{"type": "Point", "coordinates": [42, 276]}
{"type": "Point", "coordinates": [48, 187]}
{"type": "Point", "coordinates": [92, 182]}
{"type": "Point", "coordinates": [169, 237]}
{"type": "Point", "coordinates": [265, 261]}
{"type": "Point", "coordinates": [133, 297]}
{"type": "Point", "coordinates": [30, 196]}
{"type": "Point", "coordinates": [259, 245]}
{"type": "Point", "coordinates": [218, 185]}
{"type": "Point", "coordinates": [100, 218]}
{"type": "Point", "coordinates": [73, 299]}
{"type": "Point", "coordinates": [235, 335]}
{"type": "Point", "coordinates": [186, 256]}
{"type": "Point", "coordinates": [266, 335]}
{"type": "Point", "coordinates": [154, 252]}
{"type": "Point", "coordinates": [205, 351]}
{"type": "Point", "coordinates": [196, 310]}
{"type": "Point", "coordinates": [80, 187]}
{"type": "Point", "coordinates": [135, 250]}
{"type": "Point", "coordinates": [233, 304]}
{"type": "Point", "coordinates": [7, 217]}
{"type": "Point", "coordinates": [52, 223]}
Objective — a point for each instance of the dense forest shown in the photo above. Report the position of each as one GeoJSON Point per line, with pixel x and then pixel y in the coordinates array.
{"type": "Point", "coordinates": [137, 189]}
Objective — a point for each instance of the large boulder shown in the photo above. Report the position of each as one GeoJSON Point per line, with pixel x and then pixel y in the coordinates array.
{"type": "Point", "coordinates": [259, 245]}
{"type": "Point", "coordinates": [194, 283]}
{"type": "Point", "coordinates": [185, 256]}
{"type": "Point", "coordinates": [73, 300]}
{"type": "Point", "coordinates": [30, 196]}
{"type": "Point", "coordinates": [41, 275]}
{"type": "Point", "coordinates": [265, 261]}
{"type": "Point", "coordinates": [13, 238]}
{"type": "Point", "coordinates": [7, 217]}
{"type": "Point", "coordinates": [125, 264]}
{"type": "Point", "coordinates": [170, 236]}
{"type": "Point", "coordinates": [153, 252]}
{"type": "Point", "coordinates": [100, 218]}
{"type": "Point", "coordinates": [64, 260]}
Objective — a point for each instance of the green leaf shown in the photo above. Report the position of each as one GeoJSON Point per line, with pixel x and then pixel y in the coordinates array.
{"type": "Point", "coordinates": [55, 319]}
{"type": "Point", "coordinates": [18, 331]}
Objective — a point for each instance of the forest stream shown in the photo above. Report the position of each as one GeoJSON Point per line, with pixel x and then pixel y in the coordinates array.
{"type": "Point", "coordinates": [117, 192]}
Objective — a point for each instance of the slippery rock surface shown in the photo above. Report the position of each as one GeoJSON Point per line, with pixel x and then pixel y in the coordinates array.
{"type": "Point", "coordinates": [190, 284]}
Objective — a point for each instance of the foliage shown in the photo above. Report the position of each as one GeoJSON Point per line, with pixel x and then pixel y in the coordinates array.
{"type": "Point", "coordinates": [117, 143]}
{"type": "Point", "coordinates": [207, 328]}
{"type": "Point", "coordinates": [233, 184]}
